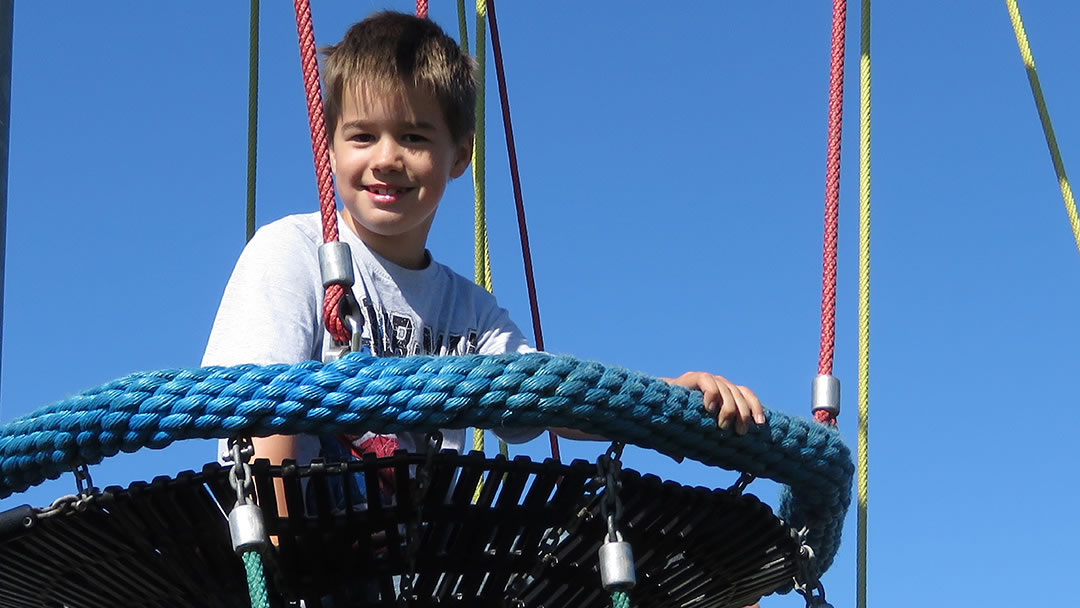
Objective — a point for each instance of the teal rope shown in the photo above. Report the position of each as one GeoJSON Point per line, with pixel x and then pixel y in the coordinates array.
{"type": "Point", "coordinates": [423, 394]}
{"type": "Point", "coordinates": [620, 599]}
{"type": "Point", "coordinates": [256, 579]}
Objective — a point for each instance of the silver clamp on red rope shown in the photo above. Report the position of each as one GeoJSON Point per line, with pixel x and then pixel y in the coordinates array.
{"type": "Point", "coordinates": [825, 395]}
{"type": "Point", "coordinates": [336, 268]}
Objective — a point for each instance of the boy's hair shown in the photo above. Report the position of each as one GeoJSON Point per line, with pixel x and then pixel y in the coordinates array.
{"type": "Point", "coordinates": [389, 49]}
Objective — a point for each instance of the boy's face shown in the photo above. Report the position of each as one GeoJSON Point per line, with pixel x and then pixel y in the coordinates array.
{"type": "Point", "coordinates": [392, 155]}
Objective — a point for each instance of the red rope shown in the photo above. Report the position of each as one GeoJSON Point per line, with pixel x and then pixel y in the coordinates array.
{"type": "Point", "coordinates": [421, 9]}
{"type": "Point", "coordinates": [321, 154]}
{"type": "Point", "coordinates": [832, 197]}
{"type": "Point", "coordinates": [523, 230]}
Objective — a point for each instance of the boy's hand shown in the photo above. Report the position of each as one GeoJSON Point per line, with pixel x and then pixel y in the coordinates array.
{"type": "Point", "coordinates": [730, 402]}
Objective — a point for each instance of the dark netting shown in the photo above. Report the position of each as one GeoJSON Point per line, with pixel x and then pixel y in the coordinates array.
{"type": "Point", "coordinates": [531, 540]}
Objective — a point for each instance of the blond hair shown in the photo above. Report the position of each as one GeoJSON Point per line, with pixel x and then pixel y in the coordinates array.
{"type": "Point", "coordinates": [388, 50]}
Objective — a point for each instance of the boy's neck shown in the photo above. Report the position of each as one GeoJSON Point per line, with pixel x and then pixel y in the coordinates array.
{"type": "Point", "coordinates": [399, 249]}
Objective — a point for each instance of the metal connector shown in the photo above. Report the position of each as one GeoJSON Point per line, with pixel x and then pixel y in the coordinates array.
{"type": "Point", "coordinates": [335, 264]}
{"type": "Point", "coordinates": [825, 394]}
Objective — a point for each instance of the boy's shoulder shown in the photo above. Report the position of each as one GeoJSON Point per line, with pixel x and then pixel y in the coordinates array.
{"type": "Point", "coordinates": [301, 228]}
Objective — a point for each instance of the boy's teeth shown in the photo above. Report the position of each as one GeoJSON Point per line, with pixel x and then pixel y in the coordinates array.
{"type": "Point", "coordinates": [385, 191]}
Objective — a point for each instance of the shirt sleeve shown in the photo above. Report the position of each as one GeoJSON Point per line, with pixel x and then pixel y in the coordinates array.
{"type": "Point", "coordinates": [270, 311]}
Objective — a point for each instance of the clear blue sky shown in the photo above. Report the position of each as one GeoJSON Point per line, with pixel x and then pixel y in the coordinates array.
{"type": "Point", "coordinates": [672, 161]}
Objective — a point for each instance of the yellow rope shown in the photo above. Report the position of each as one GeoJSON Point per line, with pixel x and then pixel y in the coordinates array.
{"type": "Point", "coordinates": [864, 304]}
{"type": "Point", "coordinates": [1044, 116]}
{"type": "Point", "coordinates": [482, 257]}
{"type": "Point", "coordinates": [482, 271]}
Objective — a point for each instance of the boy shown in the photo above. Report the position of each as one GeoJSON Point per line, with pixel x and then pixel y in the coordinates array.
{"type": "Point", "coordinates": [399, 97]}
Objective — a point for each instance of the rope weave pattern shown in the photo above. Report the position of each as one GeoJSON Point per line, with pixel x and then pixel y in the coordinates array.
{"type": "Point", "coordinates": [1044, 117]}
{"type": "Point", "coordinates": [864, 306]}
{"type": "Point", "coordinates": [832, 199]}
{"type": "Point", "coordinates": [421, 8]}
{"type": "Point", "coordinates": [620, 599]}
{"type": "Point", "coordinates": [256, 579]}
{"type": "Point", "coordinates": [320, 152]}
{"type": "Point", "coordinates": [423, 394]}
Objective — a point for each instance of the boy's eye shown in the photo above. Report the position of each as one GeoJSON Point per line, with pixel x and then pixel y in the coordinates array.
{"type": "Point", "coordinates": [364, 138]}
{"type": "Point", "coordinates": [413, 138]}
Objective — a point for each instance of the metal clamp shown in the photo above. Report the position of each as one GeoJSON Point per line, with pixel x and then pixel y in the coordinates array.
{"type": "Point", "coordinates": [336, 264]}
{"type": "Point", "coordinates": [616, 556]}
{"type": "Point", "coordinates": [246, 527]}
{"type": "Point", "coordinates": [825, 394]}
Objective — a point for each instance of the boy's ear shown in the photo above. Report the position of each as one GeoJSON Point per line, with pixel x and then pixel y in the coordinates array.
{"type": "Point", "coordinates": [463, 155]}
{"type": "Point", "coordinates": [333, 160]}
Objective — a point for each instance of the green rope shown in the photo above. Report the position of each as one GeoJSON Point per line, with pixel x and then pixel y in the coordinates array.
{"type": "Point", "coordinates": [256, 579]}
{"type": "Point", "coordinates": [620, 599]}
{"type": "Point", "coordinates": [463, 30]}
{"type": "Point", "coordinates": [253, 114]}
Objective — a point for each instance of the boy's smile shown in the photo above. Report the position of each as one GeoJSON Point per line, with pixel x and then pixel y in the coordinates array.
{"type": "Point", "coordinates": [392, 154]}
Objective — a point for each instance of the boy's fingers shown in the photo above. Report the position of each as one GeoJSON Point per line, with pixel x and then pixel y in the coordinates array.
{"type": "Point", "coordinates": [710, 393]}
{"type": "Point", "coordinates": [729, 408]}
{"type": "Point", "coordinates": [744, 415]}
{"type": "Point", "coordinates": [756, 409]}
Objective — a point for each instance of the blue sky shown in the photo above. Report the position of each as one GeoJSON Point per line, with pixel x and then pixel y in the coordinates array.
{"type": "Point", "coordinates": [672, 160]}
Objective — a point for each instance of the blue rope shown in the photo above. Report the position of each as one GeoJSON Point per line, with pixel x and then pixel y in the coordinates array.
{"type": "Point", "coordinates": [422, 394]}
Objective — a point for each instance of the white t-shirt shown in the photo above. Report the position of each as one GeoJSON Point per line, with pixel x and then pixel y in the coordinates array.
{"type": "Point", "coordinates": [271, 311]}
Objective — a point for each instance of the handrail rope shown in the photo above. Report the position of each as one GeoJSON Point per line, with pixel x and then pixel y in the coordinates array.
{"type": "Point", "coordinates": [421, 8]}
{"type": "Point", "coordinates": [253, 114]}
{"type": "Point", "coordinates": [832, 199]}
{"type": "Point", "coordinates": [1044, 117]}
{"type": "Point", "coordinates": [321, 154]}
{"type": "Point", "coordinates": [515, 178]}
{"type": "Point", "coordinates": [422, 394]}
{"type": "Point", "coordinates": [862, 466]}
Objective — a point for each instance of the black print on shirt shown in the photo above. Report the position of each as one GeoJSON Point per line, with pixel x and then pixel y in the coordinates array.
{"type": "Point", "coordinates": [393, 335]}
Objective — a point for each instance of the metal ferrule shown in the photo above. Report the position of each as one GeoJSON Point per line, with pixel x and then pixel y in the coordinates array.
{"type": "Point", "coordinates": [335, 264]}
{"type": "Point", "coordinates": [617, 566]}
{"type": "Point", "coordinates": [246, 528]}
{"type": "Point", "coordinates": [825, 394]}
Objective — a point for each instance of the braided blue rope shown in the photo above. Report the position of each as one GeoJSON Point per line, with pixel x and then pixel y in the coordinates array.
{"type": "Point", "coordinates": [154, 409]}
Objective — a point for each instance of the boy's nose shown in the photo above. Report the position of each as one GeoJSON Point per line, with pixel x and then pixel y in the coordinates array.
{"type": "Point", "coordinates": [387, 155]}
